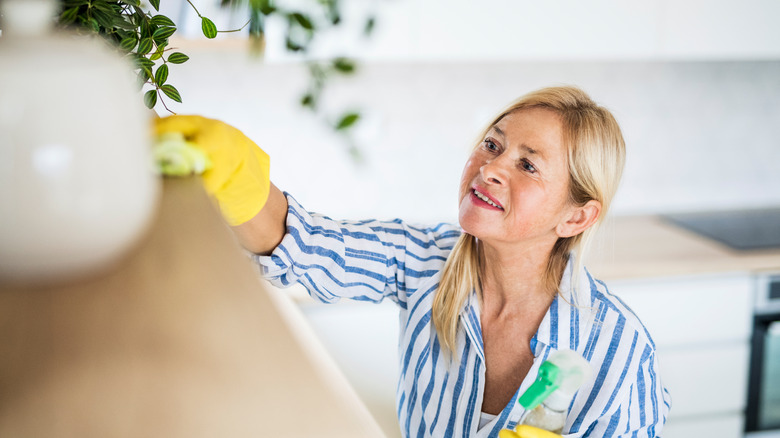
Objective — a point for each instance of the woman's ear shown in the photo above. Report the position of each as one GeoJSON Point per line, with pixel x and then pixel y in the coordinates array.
{"type": "Point", "coordinates": [580, 219]}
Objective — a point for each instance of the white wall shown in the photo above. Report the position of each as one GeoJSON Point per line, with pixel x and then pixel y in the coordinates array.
{"type": "Point", "coordinates": [700, 135]}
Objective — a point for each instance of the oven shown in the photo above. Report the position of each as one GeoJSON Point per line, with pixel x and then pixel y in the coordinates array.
{"type": "Point", "coordinates": [762, 418]}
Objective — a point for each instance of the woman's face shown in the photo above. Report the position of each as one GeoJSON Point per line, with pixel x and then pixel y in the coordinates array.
{"type": "Point", "coordinates": [514, 188]}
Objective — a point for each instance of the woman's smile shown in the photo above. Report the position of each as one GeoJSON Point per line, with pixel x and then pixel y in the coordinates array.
{"type": "Point", "coordinates": [481, 198]}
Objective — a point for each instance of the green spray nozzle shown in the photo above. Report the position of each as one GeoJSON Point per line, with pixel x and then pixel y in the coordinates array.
{"type": "Point", "coordinates": [547, 380]}
{"type": "Point", "coordinates": [559, 378]}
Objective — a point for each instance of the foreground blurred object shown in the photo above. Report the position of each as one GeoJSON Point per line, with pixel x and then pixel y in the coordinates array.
{"type": "Point", "coordinates": [181, 341]}
{"type": "Point", "coordinates": [76, 184]}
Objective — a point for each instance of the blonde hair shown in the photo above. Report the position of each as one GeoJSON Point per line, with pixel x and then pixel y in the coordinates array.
{"type": "Point", "coordinates": [596, 154]}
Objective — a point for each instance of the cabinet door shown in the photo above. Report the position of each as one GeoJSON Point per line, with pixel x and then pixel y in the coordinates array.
{"type": "Point", "coordinates": [714, 426]}
{"type": "Point", "coordinates": [706, 380]}
{"type": "Point", "coordinates": [697, 310]}
{"type": "Point", "coordinates": [701, 326]}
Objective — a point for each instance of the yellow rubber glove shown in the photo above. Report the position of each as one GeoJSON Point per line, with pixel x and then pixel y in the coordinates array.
{"type": "Point", "coordinates": [524, 431]}
{"type": "Point", "coordinates": [239, 173]}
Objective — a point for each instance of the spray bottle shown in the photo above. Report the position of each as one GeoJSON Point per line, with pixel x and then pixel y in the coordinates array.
{"type": "Point", "coordinates": [548, 398]}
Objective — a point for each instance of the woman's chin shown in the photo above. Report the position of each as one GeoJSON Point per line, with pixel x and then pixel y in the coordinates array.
{"type": "Point", "coordinates": [472, 226]}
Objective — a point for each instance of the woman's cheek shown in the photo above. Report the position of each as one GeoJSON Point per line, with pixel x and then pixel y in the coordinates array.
{"type": "Point", "coordinates": [466, 179]}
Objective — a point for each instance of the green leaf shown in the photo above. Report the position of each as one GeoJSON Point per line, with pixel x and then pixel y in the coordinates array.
{"type": "Point", "coordinates": [98, 5]}
{"type": "Point", "coordinates": [348, 120]}
{"type": "Point", "coordinates": [161, 75]}
{"type": "Point", "coordinates": [150, 98]}
{"type": "Point", "coordinates": [143, 76]}
{"type": "Point", "coordinates": [308, 100]}
{"type": "Point", "coordinates": [162, 20]}
{"type": "Point", "coordinates": [132, 2]}
{"type": "Point", "coordinates": [145, 30]}
{"type": "Point", "coordinates": [105, 20]}
{"type": "Point", "coordinates": [171, 92]}
{"type": "Point", "coordinates": [370, 24]}
{"type": "Point", "coordinates": [208, 27]}
{"type": "Point", "coordinates": [121, 22]}
{"type": "Point", "coordinates": [142, 62]}
{"type": "Point", "coordinates": [155, 4]}
{"type": "Point", "coordinates": [344, 65]}
{"type": "Point", "coordinates": [102, 6]}
{"type": "Point", "coordinates": [69, 15]}
{"type": "Point", "coordinates": [302, 20]}
{"type": "Point", "coordinates": [292, 45]}
{"type": "Point", "coordinates": [163, 33]}
{"type": "Point", "coordinates": [145, 46]}
{"type": "Point", "coordinates": [177, 58]}
{"type": "Point", "coordinates": [157, 54]}
{"type": "Point", "coordinates": [128, 43]}
{"type": "Point", "coordinates": [94, 25]}
{"type": "Point", "coordinates": [264, 6]}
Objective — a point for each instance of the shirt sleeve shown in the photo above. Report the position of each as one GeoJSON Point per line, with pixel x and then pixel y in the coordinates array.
{"type": "Point", "coordinates": [642, 412]}
{"type": "Point", "coordinates": [362, 260]}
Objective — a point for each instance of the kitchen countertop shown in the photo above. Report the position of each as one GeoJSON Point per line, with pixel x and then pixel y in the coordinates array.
{"type": "Point", "coordinates": [648, 246]}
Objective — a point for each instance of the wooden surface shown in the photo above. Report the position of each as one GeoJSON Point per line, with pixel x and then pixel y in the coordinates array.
{"type": "Point", "coordinates": [647, 246]}
{"type": "Point", "coordinates": [181, 340]}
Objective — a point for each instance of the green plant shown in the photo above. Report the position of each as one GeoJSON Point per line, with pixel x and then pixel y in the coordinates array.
{"type": "Point", "coordinates": [142, 33]}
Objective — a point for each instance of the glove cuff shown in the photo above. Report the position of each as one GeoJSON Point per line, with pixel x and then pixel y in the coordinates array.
{"type": "Point", "coordinates": [245, 193]}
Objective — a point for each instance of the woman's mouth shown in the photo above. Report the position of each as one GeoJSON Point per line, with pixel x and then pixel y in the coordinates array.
{"type": "Point", "coordinates": [485, 200]}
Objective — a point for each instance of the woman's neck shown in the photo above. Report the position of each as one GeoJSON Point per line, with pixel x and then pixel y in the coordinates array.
{"type": "Point", "coordinates": [513, 279]}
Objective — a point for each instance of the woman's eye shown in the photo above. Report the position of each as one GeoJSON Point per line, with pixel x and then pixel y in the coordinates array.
{"type": "Point", "coordinates": [527, 166]}
{"type": "Point", "coordinates": [489, 145]}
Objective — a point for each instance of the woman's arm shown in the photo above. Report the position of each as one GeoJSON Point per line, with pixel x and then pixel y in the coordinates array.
{"type": "Point", "coordinates": [367, 260]}
{"type": "Point", "coordinates": [265, 230]}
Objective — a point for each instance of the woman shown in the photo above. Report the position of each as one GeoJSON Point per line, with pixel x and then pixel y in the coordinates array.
{"type": "Point", "coordinates": [483, 304]}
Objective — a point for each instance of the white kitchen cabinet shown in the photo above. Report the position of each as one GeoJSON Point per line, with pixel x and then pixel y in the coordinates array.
{"type": "Point", "coordinates": [691, 310]}
{"type": "Point", "coordinates": [701, 327]}
{"type": "Point", "coordinates": [727, 426]}
{"type": "Point", "coordinates": [706, 380]}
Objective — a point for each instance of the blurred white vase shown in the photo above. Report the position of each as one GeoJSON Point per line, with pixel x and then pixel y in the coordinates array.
{"type": "Point", "coordinates": [76, 182]}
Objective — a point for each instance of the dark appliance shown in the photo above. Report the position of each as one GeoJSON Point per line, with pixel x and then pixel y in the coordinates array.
{"type": "Point", "coordinates": [738, 229]}
{"type": "Point", "coordinates": [762, 418]}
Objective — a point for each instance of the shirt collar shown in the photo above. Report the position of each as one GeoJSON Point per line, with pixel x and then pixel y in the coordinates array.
{"type": "Point", "coordinates": [567, 321]}
{"type": "Point", "coordinates": [564, 326]}
{"type": "Point", "coordinates": [472, 323]}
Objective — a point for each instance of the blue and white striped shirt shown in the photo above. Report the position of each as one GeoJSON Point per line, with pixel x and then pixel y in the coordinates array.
{"type": "Point", "coordinates": [440, 395]}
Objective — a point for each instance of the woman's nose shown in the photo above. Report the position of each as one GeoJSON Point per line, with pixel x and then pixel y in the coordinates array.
{"type": "Point", "coordinates": [493, 173]}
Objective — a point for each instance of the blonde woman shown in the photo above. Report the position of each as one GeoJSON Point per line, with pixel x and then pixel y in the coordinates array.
{"type": "Point", "coordinates": [485, 302]}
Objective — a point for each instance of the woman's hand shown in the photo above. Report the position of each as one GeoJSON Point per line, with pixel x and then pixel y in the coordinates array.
{"type": "Point", "coordinates": [238, 178]}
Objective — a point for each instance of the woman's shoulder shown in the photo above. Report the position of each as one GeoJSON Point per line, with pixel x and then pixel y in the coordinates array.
{"type": "Point", "coordinates": [611, 310]}
{"type": "Point", "coordinates": [625, 385]}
